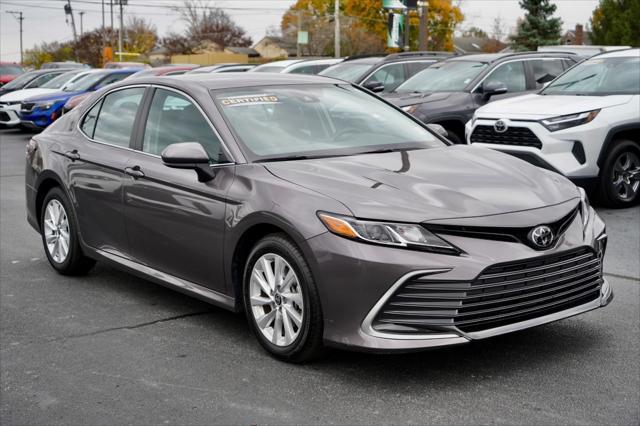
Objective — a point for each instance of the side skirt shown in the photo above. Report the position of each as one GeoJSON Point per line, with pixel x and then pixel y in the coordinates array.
{"type": "Point", "coordinates": [164, 279]}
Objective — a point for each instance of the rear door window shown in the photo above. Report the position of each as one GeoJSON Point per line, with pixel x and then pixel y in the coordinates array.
{"type": "Point", "coordinates": [115, 120]}
{"type": "Point", "coordinates": [545, 70]}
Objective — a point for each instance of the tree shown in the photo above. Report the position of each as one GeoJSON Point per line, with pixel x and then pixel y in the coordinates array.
{"type": "Point", "coordinates": [212, 24]}
{"type": "Point", "coordinates": [363, 25]}
{"type": "Point", "coordinates": [48, 52]}
{"type": "Point", "coordinates": [178, 44]}
{"type": "Point", "coordinates": [475, 32]}
{"type": "Point", "coordinates": [616, 22]}
{"type": "Point", "coordinates": [538, 28]}
{"type": "Point", "coordinates": [497, 29]}
{"type": "Point", "coordinates": [141, 36]}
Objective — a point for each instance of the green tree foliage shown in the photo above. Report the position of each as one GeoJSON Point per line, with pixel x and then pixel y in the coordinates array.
{"type": "Point", "coordinates": [616, 22]}
{"type": "Point", "coordinates": [538, 28]}
{"type": "Point", "coordinates": [475, 32]}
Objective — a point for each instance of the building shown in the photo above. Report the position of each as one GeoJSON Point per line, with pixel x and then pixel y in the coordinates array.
{"type": "Point", "coordinates": [576, 37]}
{"type": "Point", "coordinates": [271, 47]}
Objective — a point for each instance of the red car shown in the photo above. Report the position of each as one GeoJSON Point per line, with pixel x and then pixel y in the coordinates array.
{"type": "Point", "coordinates": [9, 71]}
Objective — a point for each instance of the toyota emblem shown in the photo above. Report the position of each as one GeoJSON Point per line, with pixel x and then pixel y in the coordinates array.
{"type": "Point", "coordinates": [541, 236]}
{"type": "Point", "coordinates": [500, 126]}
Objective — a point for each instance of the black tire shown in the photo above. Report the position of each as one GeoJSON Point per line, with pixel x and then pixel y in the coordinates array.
{"type": "Point", "coordinates": [607, 193]}
{"type": "Point", "coordinates": [453, 137]}
{"type": "Point", "coordinates": [308, 343]}
{"type": "Point", "coordinates": [75, 262]}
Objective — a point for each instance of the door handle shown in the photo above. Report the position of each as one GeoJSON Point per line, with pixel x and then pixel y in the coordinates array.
{"type": "Point", "coordinates": [72, 155]}
{"type": "Point", "coordinates": [134, 171]}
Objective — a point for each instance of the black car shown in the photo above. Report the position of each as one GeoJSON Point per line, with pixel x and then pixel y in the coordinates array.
{"type": "Point", "coordinates": [448, 92]}
{"type": "Point", "coordinates": [31, 79]}
{"type": "Point", "coordinates": [383, 73]}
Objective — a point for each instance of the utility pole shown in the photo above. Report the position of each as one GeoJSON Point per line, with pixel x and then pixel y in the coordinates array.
{"type": "Point", "coordinates": [423, 12]}
{"type": "Point", "coordinates": [111, 6]}
{"type": "Point", "coordinates": [298, 49]}
{"type": "Point", "coordinates": [103, 16]}
{"type": "Point", "coordinates": [336, 36]}
{"type": "Point", "coordinates": [69, 11]}
{"type": "Point", "coordinates": [20, 18]}
{"type": "Point", "coordinates": [121, 3]}
{"type": "Point", "coordinates": [81, 26]}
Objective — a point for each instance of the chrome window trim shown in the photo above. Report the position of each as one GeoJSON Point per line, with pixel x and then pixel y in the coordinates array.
{"type": "Point", "coordinates": [146, 86]}
{"type": "Point", "coordinates": [516, 60]}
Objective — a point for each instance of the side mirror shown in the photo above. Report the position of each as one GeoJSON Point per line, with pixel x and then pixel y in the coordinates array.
{"type": "Point", "coordinates": [188, 155]}
{"type": "Point", "coordinates": [494, 88]}
{"type": "Point", "coordinates": [374, 86]}
{"type": "Point", "coordinates": [437, 128]}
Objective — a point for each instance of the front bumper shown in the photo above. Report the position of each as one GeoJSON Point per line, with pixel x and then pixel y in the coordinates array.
{"type": "Point", "coordinates": [10, 115]}
{"type": "Point", "coordinates": [571, 152]}
{"type": "Point", "coordinates": [355, 280]}
{"type": "Point", "coordinates": [39, 119]}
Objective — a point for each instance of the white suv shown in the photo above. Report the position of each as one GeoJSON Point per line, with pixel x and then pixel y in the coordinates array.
{"type": "Point", "coordinates": [585, 125]}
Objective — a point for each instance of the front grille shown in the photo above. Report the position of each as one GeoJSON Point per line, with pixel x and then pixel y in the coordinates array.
{"type": "Point", "coordinates": [27, 106]}
{"type": "Point", "coordinates": [502, 294]}
{"type": "Point", "coordinates": [517, 136]}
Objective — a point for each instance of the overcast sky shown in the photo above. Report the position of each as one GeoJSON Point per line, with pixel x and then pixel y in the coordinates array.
{"type": "Point", "coordinates": [45, 19]}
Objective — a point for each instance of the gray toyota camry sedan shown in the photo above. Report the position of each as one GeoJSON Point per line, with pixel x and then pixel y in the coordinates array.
{"type": "Point", "coordinates": [327, 215]}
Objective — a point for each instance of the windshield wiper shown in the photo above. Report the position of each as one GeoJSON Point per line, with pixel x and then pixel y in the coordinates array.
{"type": "Point", "coordinates": [571, 83]}
{"type": "Point", "coordinates": [285, 158]}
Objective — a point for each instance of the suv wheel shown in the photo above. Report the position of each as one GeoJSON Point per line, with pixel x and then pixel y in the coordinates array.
{"type": "Point", "coordinates": [620, 178]}
{"type": "Point", "coordinates": [60, 235]}
{"type": "Point", "coordinates": [281, 300]}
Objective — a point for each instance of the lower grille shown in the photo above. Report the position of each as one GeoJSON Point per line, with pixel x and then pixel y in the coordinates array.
{"type": "Point", "coordinates": [517, 136]}
{"type": "Point", "coordinates": [27, 106]}
{"type": "Point", "coordinates": [502, 294]}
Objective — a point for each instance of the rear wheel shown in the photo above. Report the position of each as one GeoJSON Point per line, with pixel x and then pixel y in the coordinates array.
{"type": "Point", "coordinates": [60, 235]}
{"type": "Point", "coordinates": [619, 184]}
{"type": "Point", "coordinates": [281, 300]}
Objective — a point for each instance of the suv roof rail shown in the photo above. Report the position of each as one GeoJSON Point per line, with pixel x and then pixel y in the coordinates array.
{"type": "Point", "coordinates": [530, 52]}
{"type": "Point", "coordinates": [418, 54]}
{"type": "Point", "coordinates": [373, 55]}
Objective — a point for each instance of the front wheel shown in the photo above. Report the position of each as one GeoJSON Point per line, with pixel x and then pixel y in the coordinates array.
{"type": "Point", "coordinates": [281, 300]}
{"type": "Point", "coordinates": [60, 235]}
{"type": "Point", "coordinates": [619, 184]}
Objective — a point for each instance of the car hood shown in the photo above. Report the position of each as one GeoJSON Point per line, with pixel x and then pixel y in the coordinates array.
{"type": "Point", "coordinates": [20, 95]}
{"type": "Point", "coordinates": [421, 185]}
{"type": "Point", "coordinates": [406, 99]}
{"type": "Point", "coordinates": [543, 106]}
{"type": "Point", "coordinates": [54, 96]}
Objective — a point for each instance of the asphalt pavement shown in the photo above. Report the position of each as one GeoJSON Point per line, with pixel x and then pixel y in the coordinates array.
{"type": "Point", "coordinates": [110, 348]}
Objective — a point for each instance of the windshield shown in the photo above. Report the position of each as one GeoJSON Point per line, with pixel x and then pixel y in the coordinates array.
{"type": "Point", "coordinates": [85, 83]}
{"type": "Point", "coordinates": [59, 81]}
{"type": "Point", "coordinates": [449, 76]}
{"type": "Point", "coordinates": [599, 76]}
{"type": "Point", "coordinates": [20, 80]}
{"type": "Point", "coordinates": [347, 71]}
{"type": "Point", "coordinates": [276, 122]}
{"type": "Point", "coordinates": [10, 69]}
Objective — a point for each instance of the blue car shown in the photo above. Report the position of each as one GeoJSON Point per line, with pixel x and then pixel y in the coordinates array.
{"type": "Point", "coordinates": [40, 111]}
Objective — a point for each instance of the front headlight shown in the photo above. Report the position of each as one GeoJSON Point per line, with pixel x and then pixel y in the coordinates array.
{"type": "Point", "coordinates": [46, 105]}
{"type": "Point", "coordinates": [386, 233]}
{"type": "Point", "coordinates": [565, 121]}
{"type": "Point", "coordinates": [585, 208]}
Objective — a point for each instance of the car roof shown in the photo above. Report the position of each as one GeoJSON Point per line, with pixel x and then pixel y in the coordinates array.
{"type": "Point", "coordinates": [626, 53]}
{"type": "Point", "coordinates": [236, 80]}
{"type": "Point", "coordinates": [283, 63]}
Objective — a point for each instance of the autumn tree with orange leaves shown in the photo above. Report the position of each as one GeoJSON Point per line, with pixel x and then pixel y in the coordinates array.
{"type": "Point", "coordinates": [364, 25]}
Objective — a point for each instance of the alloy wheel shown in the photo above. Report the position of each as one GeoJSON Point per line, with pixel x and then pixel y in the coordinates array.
{"type": "Point", "coordinates": [56, 231]}
{"type": "Point", "coordinates": [626, 176]}
{"type": "Point", "coordinates": [276, 299]}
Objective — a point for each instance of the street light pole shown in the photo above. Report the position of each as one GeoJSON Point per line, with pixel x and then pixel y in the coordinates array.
{"type": "Point", "coordinates": [121, 3]}
{"type": "Point", "coordinates": [20, 18]}
{"type": "Point", "coordinates": [422, 11]}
